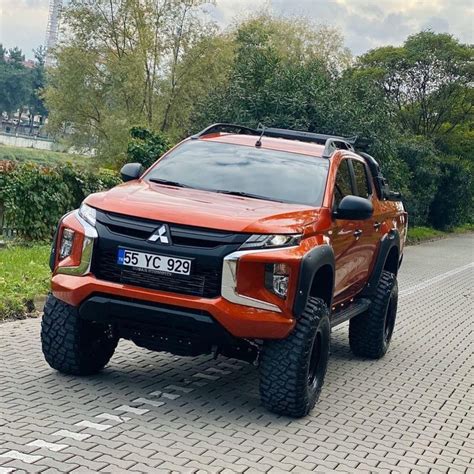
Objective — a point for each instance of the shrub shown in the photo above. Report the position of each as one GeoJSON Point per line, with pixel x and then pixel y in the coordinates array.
{"type": "Point", "coordinates": [34, 197]}
{"type": "Point", "coordinates": [146, 147]}
{"type": "Point", "coordinates": [453, 202]}
{"type": "Point", "coordinates": [423, 175]}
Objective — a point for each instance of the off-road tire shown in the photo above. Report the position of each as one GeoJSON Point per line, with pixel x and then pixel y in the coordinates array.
{"type": "Point", "coordinates": [285, 364]}
{"type": "Point", "coordinates": [72, 345]}
{"type": "Point", "coordinates": [370, 333]}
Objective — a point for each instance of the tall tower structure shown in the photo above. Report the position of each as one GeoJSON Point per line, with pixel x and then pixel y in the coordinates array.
{"type": "Point", "coordinates": [52, 30]}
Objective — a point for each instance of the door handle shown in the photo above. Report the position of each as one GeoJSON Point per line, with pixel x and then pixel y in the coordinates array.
{"type": "Point", "coordinates": [357, 233]}
{"type": "Point", "coordinates": [377, 225]}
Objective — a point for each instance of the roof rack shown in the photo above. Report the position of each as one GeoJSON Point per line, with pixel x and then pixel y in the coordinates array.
{"type": "Point", "coordinates": [331, 142]}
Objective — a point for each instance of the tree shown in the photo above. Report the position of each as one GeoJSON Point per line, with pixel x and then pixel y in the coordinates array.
{"type": "Point", "coordinates": [36, 104]}
{"type": "Point", "coordinates": [122, 59]}
{"type": "Point", "coordinates": [278, 74]}
{"type": "Point", "coordinates": [422, 176]}
{"type": "Point", "coordinates": [428, 80]}
{"type": "Point", "coordinates": [15, 81]}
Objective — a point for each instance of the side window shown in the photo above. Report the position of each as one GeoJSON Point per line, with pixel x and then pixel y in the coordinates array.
{"type": "Point", "coordinates": [361, 179]}
{"type": "Point", "coordinates": [343, 185]}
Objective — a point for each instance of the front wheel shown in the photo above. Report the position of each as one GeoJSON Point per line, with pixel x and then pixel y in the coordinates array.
{"type": "Point", "coordinates": [292, 370]}
{"type": "Point", "coordinates": [72, 345]}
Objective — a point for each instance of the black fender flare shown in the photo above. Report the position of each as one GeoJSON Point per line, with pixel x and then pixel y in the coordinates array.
{"type": "Point", "coordinates": [311, 262]}
{"type": "Point", "coordinates": [388, 241]}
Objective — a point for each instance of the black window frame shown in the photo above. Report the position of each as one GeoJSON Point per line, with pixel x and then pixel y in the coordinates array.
{"type": "Point", "coordinates": [352, 177]}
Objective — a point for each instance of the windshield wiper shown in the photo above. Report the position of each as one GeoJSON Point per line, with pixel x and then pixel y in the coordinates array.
{"type": "Point", "coordinates": [167, 182]}
{"type": "Point", "coordinates": [244, 194]}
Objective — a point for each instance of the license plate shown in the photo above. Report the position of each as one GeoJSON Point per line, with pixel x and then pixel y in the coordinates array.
{"type": "Point", "coordinates": [154, 263]}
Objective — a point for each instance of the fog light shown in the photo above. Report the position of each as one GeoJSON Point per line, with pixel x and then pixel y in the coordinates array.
{"type": "Point", "coordinates": [276, 279]}
{"type": "Point", "coordinates": [67, 241]}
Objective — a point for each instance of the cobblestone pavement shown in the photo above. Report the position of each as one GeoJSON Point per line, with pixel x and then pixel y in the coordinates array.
{"type": "Point", "coordinates": [150, 412]}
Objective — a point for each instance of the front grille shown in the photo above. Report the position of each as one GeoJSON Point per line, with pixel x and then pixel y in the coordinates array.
{"type": "Point", "coordinates": [203, 282]}
{"type": "Point", "coordinates": [206, 247]}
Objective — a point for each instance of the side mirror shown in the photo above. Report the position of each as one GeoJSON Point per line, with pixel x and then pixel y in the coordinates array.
{"type": "Point", "coordinates": [354, 208]}
{"type": "Point", "coordinates": [131, 171]}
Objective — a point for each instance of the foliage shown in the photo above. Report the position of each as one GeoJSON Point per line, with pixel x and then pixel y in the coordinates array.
{"type": "Point", "coordinates": [24, 276]}
{"type": "Point", "coordinates": [35, 102]}
{"type": "Point", "coordinates": [123, 61]}
{"type": "Point", "coordinates": [21, 87]}
{"type": "Point", "coordinates": [280, 72]}
{"type": "Point", "coordinates": [453, 201]}
{"type": "Point", "coordinates": [423, 174]}
{"type": "Point", "coordinates": [146, 147]}
{"type": "Point", "coordinates": [15, 81]}
{"type": "Point", "coordinates": [35, 197]}
{"type": "Point", "coordinates": [428, 80]}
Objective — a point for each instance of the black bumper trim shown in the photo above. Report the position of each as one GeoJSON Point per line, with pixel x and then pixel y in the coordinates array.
{"type": "Point", "coordinates": [108, 309]}
{"type": "Point", "coordinates": [181, 331]}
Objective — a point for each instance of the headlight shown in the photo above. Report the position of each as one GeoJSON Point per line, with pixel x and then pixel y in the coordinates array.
{"type": "Point", "coordinates": [277, 276]}
{"type": "Point", "coordinates": [67, 240]}
{"type": "Point", "coordinates": [88, 214]}
{"type": "Point", "coordinates": [269, 241]}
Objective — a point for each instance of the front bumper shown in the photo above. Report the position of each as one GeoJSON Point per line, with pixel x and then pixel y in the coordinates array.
{"type": "Point", "coordinates": [239, 320]}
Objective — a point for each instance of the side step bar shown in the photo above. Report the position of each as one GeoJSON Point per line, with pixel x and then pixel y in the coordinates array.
{"type": "Point", "coordinates": [343, 315]}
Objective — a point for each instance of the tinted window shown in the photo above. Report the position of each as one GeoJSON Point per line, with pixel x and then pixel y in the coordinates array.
{"type": "Point", "coordinates": [361, 179]}
{"type": "Point", "coordinates": [343, 185]}
{"type": "Point", "coordinates": [268, 174]}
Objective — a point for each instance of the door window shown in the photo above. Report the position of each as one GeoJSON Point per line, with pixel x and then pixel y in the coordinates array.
{"type": "Point", "coordinates": [361, 179]}
{"type": "Point", "coordinates": [343, 185]}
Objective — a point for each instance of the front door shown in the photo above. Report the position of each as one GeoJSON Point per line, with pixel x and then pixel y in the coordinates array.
{"type": "Point", "coordinates": [353, 241]}
{"type": "Point", "coordinates": [344, 238]}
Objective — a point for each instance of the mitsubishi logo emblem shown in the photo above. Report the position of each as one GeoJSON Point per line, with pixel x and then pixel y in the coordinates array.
{"type": "Point", "coordinates": [162, 235]}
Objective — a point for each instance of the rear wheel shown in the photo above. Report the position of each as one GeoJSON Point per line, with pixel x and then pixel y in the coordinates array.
{"type": "Point", "coordinates": [370, 333]}
{"type": "Point", "coordinates": [292, 370]}
{"type": "Point", "coordinates": [72, 345]}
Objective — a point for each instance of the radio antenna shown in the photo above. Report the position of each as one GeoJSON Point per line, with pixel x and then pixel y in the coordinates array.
{"type": "Point", "coordinates": [258, 143]}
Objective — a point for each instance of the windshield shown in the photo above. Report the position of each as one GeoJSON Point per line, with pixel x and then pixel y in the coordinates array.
{"type": "Point", "coordinates": [244, 170]}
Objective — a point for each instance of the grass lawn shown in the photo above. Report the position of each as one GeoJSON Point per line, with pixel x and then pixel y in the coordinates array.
{"type": "Point", "coordinates": [421, 234]}
{"type": "Point", "coordinates": [42, 157]}
{"type": "Point", "coordinates": [24, 275]}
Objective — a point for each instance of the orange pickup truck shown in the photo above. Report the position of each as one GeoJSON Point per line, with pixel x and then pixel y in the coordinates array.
{"type": "Point", "coordinates": [250, 243]}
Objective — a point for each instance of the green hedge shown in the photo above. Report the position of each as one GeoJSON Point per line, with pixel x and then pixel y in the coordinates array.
{"type": "Point", "coordinates": [34, 197]}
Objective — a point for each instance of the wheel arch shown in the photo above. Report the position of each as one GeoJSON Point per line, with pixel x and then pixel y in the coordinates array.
{"type": "Point", "coordinates": [316, 278]}
{"type": "Point", "coordinates": [392, 260]}
{"type": "Point", "coordinates": [388, 258]}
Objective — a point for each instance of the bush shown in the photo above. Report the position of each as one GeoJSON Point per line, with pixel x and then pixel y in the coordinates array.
{"type": "Point", "coordinates": [34, 197]}
{"type": "Point", "coordinates": [146, 147]}
{"type": "Point", "coordinates": [423, 175]}
{"type": "Point", "coordinates": [453, 202]}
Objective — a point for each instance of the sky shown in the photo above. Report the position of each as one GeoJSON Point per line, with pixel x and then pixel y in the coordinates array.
{"type": "Point", "coordinates": [365, 24]}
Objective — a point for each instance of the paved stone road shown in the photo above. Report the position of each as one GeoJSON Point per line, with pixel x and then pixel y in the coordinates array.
{"type": "Point", "coordinates": [151, 412]}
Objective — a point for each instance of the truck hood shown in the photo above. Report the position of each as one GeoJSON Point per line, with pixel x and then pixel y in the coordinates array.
{"type": "Point", "coordinates": [203, 208]}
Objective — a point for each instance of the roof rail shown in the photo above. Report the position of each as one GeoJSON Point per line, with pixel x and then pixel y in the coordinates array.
{"type": "Point", "coordinates": [331, 142]}
{"type": "Point", "coordinates": [225, 127]}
